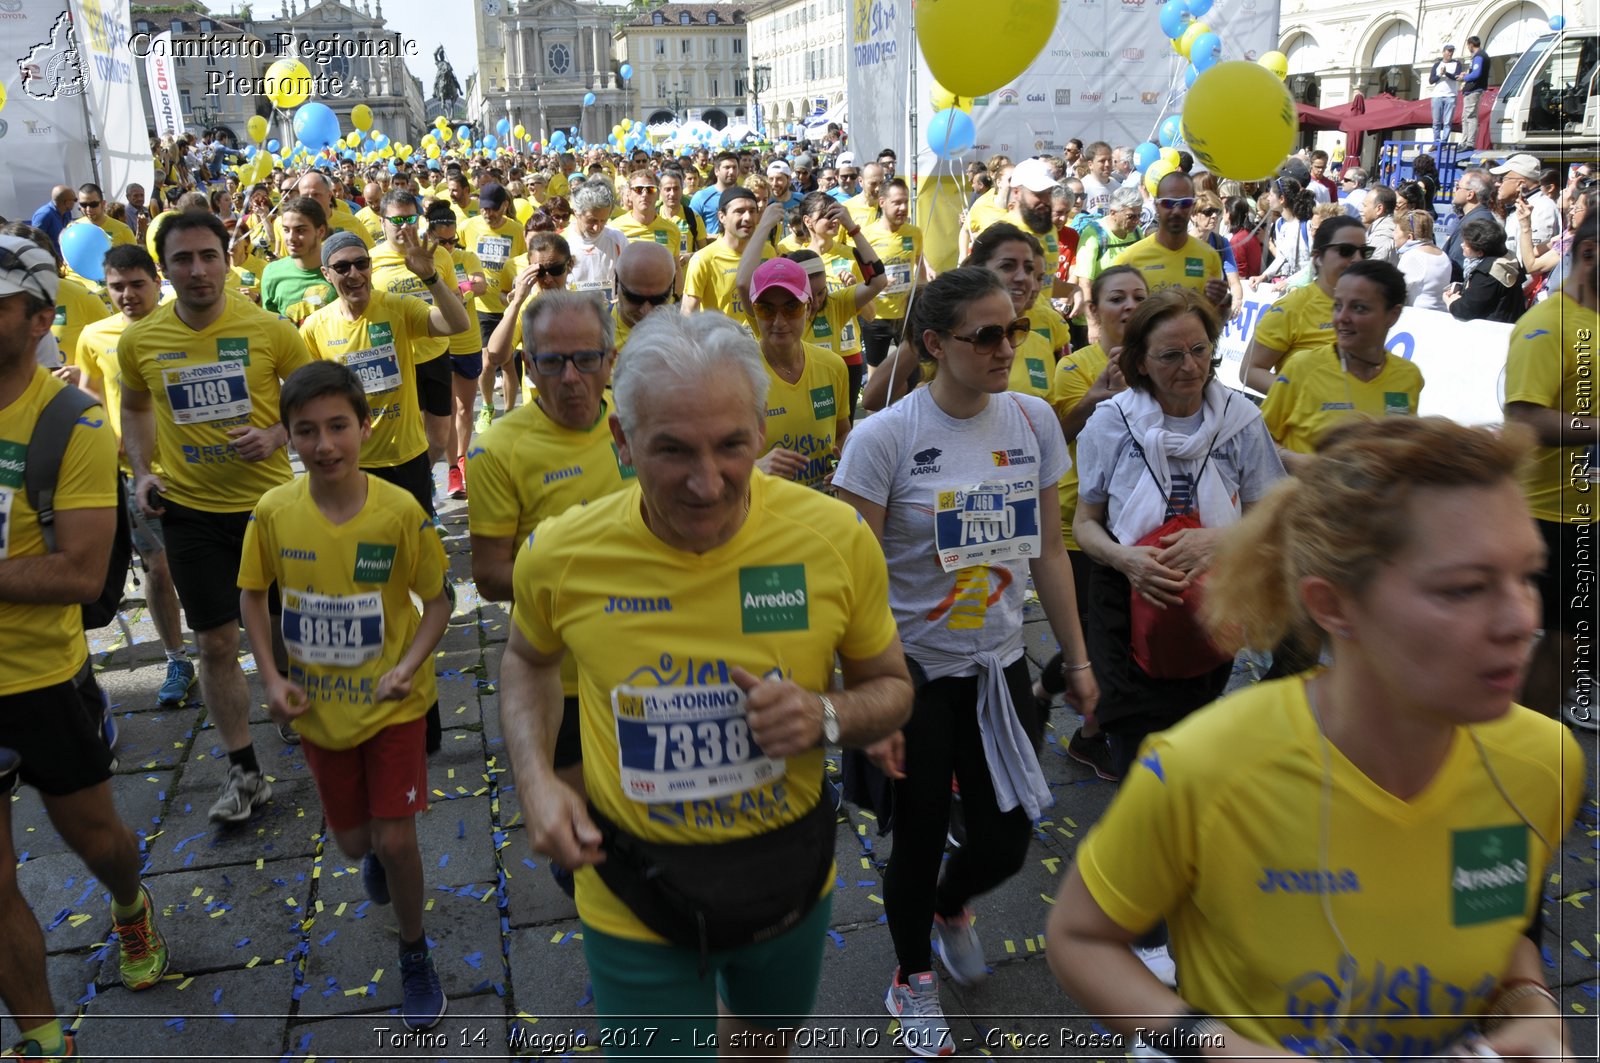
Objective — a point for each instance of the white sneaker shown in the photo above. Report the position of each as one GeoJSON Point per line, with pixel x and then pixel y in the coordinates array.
{"type": "Point", "coordinates": [242, 793]}
{"type": "Point", "coordinates": [923, 1029]}
{"type": "Point", "coordinates": [1159, 961]}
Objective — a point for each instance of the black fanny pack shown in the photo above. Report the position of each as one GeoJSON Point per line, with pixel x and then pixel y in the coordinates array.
{"type": "Point", "coordinates": [716, 897]}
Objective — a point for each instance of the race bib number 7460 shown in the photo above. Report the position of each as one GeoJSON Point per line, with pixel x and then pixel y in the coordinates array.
{"type": "Point", "coordinates": [987, 523]}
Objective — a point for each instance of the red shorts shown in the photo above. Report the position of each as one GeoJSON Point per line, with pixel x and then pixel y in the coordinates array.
{"type": "Point", "coordinates": [385, 777]}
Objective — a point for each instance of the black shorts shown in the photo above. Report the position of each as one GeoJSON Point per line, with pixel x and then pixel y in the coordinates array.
{"type": "Point", "coordinates": [569, 750]}
{"type": "Point", "coordinates": [487, 323]}
{"type": "Point", "coordinates": [466, 366]}
{"type": "Point", "coordinates": [203, 551]}
{"type": "Point", "coordinates": [434, 391]}
{"type": "Point", "coordinates": [56, 731]}
{"type": "Point", "coordinates": [415, 476]}
{"type": "Point", "coordinates": [1566, 604]}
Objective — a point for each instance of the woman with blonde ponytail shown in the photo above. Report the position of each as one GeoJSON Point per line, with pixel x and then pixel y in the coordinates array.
{"type": "Point", "coordinates": [1374, 830]}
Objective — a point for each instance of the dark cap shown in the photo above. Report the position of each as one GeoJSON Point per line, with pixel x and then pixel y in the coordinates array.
{"type": "Point", "coordinates": [493, 195]}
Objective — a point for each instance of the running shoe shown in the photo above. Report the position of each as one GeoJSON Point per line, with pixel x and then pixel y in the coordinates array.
{"type": "Point", "coordinates": [1159, 961]}
{"type": "Point", "coordinates": [180, 677]}
{"type": "Point", "coordinates": [956, 941]}
{"type": "Point", "coordinates": [30, 1052]}
{"type": "Point", "coordinates": [425, 1002]}
{"type": "Point", "coordinates": [438, 527]}
{"type": "Point", "coordinates": [290, 736]}
{"type": "Point", "coordinates": [485, 418]}
{"type": "Point", "coordinates": [455, 481]}
{"type": "Point", "coordinates": [143, 950]}
{"type": "Point", "coordinates": [242, 793]}
{"type": "Point", "coordinates": [1094, 753]}
{"type": "Point", "coordinates": [375, 878]}
{"type": "Point", "coordinates": [923, 1028]}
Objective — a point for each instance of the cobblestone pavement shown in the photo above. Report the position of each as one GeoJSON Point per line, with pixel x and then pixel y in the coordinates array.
{"type": "Point", "coordinates": [277, 954]}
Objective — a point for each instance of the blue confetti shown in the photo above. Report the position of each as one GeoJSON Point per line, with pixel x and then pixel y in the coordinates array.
{"type": "Point", "coordinates": [473, 960]}
{"type": "Point", "coordinates": [443, 860]}
{"type": "Point", "coordinates": [838, 938]}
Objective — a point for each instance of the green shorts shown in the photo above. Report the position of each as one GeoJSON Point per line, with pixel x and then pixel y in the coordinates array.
{"type": "Point", "coordinates": [652, 1001]}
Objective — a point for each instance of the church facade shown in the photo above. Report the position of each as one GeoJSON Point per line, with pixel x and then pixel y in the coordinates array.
{"type": "Point", "coordinates": [539, 59]}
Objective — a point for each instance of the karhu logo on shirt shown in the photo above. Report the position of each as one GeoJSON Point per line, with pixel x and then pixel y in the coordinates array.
{"type": "Point", "coordinates": [374, 562]}
{"type": "Point", "coordinates": [773, 598]}
{"type": "Point", "coordinates": [926, 461]}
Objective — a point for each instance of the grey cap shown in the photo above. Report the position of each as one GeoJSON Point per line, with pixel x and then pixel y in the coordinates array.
{"type": "Point", "coordinates": [338, 241]}
{"type": "Point", "coordinates": [26, 268]}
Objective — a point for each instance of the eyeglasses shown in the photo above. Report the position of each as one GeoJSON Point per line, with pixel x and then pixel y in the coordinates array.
{"type": "Point", "coordinates": [635, 297]}
{"type": "Point", "coordinates": [1348, 181]}
{"type": "Point", "coordinates": [1210, 212]}
{"type": "Point", "coordinates": [554, 269]}
{"type": "Point", "coordinates": [86, 205]}
{"type": "Point", "coordinates": [1169, 359]}
{"type": "Point", "coordinates": [986, 340]}
{"type": "Point", "coordinates": [360, 265]}
{"type": "Point", "coordinates": [1351, 250]}
{"type": "Point", "coordinates": [849, 175]}
{"type": "Point", "coordinates": [402, 219]}
{"type": "Point", "coordinates": [556, 364]}
{"type": "Point", "coordinates": [769, 311]}
{"type": "Point", "coordinates": [1175, 202]}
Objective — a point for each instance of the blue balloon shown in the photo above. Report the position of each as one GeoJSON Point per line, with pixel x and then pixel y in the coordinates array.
{"type": "Point", "coordinates": [1558, 22]}
{"type": "Point", "coordinates": [951, 132]}
{"type": "Point", "coordinates": [1170, 130]}
{"type": "Point", "coordinates": [1189, 76]}
{"type": "Point", "coordinates": [503, 127]}
{"type": "Point", "coordinates": [1146, 153]}
{"type": "Point", "coordinates": [626, 71]}
{"type": "Point", "coordinates": [273, 146]}
{"type": "Point", "coordinates": [1206, 51]}
{"type": "Point", "coordinates": [249, 151]}
{"type": "Point", "coordinates": [84, 246]}
{"type": "Point", "coordinates": [433, 164]}
{"type": "Point", "coordinates": [1197, 7]}
{"type": "Point", "coordinates": [491, 141]}
{"type": "Point", "coordinates": [588, 99]}
{"type": "Point", "coordinates": [1173, 16]}
{"type": "Point", "coordinates": [316, 126]}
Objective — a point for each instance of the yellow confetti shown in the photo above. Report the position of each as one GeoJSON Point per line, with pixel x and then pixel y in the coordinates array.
{"type": "Point", "coordinates": [1070, 822]}
{"type": "Point", "coordinates": [79, 919]}
{"type": "Point", "coordinates": [355, 992]}
{"type": "Point", "coordinates": [426, 907]}
{"type": "Point", "coordinates": [376, 975]}
{"type": "Point", "coordinates": [219, 913]}
{"type": "Point", "coordinates": [1579, 946]}
{"type": "Point", "coordinates": [260, 863]}
{"type": "Point", "coordinates": [1031, 946]}
{"type": "Point", "coordinates": [340, 910]}
{"type": "Point", "coordinates": [1011, 946]}
{"type": "Point", "coordinates": [1047, 898]}
{"type": "Point", "coordinates": [1052, 864]}
{"type": "Point", "coordinates": [319, 906]}
{"type": "Point", "coordinates": [874, 898]}
{"type": "Point", "coordinates": [556, 937]}
{"type": "Point", "coordinates": [197, 891]}
{"type": "Point", "coordinates": [450, 773]}
{"type": "Point", "coordinates": [253, 961]}
{"type": "Point", "coordinates": [290, 901]}
{"type": "Point", "coordinates": [186, 982]}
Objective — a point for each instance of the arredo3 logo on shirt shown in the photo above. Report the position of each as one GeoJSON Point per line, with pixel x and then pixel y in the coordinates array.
{"type": "Point", "coordinates": [1489, 874]}
{"type": "Point", "coordinates": [374, 562]}
{"type": "Point", "coordinates": [773, 598]}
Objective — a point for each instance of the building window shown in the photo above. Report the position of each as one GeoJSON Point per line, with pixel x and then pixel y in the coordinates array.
{"type": "Point", "coordinates": [685, 47]}
{"type": "Point", "coordinates": [177, 27]}
{"type": "Point", "coordinates": [711, 18]}
{"type": "Point", "coordinates": [656, 19]}
{"type": "Point", "coordinates": [739, 88]}
{"type": "Point", "coordinates": [738, 46]}
{"type": "Point", "coordinates": [714, 89]}
{"type": "Point", "coordinates": [183, 99]}
{"type": "Point", "coordinates": [683, 18]}
{"type": "Point", "coordinates": [661, 46]}
{"type": "Point", "coordinates": [711, 46]}
{"type": "Point", "coordinates": [559, 58]}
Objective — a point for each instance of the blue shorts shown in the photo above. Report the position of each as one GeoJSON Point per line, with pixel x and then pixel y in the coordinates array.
{"type": "Point", "coordinates": [652, 1001]}
{"type": "Point", "coordinates": [467, 366]}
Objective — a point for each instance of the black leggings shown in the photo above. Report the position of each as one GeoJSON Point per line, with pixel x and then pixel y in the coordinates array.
{"type": "Point", "coordinates": [942, 738]}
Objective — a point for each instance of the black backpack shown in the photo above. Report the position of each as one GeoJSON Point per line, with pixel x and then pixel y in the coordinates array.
{"type": "Point", "coordinates": [47, 447]}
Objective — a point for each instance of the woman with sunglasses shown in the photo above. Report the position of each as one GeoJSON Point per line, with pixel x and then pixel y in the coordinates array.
{"type": "Point", "coordinates": [1174, 448]}
{"type": "Point", "coordinates": [926, 465]}
{"type": "Point", "coordinates": [548, 260]}
{"type": "Point", "coordinates": [1354, 377]}
{"type": "Point", "coordinates": [1015, 257]}
{"type": "Point", "coordinates": [1302, 319]}
{"type": "Point", "coordinates": [1204, 224]}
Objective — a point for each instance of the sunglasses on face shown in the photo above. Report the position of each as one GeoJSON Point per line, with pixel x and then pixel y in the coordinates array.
{"type": "Point", "coordinates": [986, 341]}
{"type": "Point", "coordinates": [360, 265]}
{"type": "Point", "coordinates": [1351, 250]}
{"type": "Point", "coordinates": [1210, 212]}
{"type": "Point", "coordinates": [402, 219]}
{"type": "Point", "coordinates": [554, 269]}
{"type": "Point", "coordinates": [1175, 202]}
{"type": "Point", "coordinates": [770, 311]}
{"type": "Point", "coordinates": [640, 300]}
{"type": "Point", "coordinates": [556, 364]}
{"type": "Point", "coordinates": [86, 205]}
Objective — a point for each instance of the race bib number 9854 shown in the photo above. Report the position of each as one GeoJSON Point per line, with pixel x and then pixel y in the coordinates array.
{"type": "Point", "coordinates": [332, 629]}
{"type": "Point", "coordinates": [987, 523]}
{"type": "Point", "coordinates": [687, 743]}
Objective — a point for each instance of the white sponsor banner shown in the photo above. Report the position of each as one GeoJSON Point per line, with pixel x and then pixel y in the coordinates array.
{"type": "Point", "coordinates": [879, 41]}
{"type": "Point", "coordinates": [1463, 363]}
{"type": "Point", "coordinates": [161, 79]}
{"type": "Point", "coordinates": [116, 110]}
{"type": "Point", "coordinates": [43, 136]}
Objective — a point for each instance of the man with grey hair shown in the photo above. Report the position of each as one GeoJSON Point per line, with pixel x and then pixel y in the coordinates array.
{"type": "Point", "coordinates": [704, 605]}
{"type": "Point", "coordinates": [595, 245]}
{"type": "Point", "coordinates": [1473, 193]}
{"type": "Point", "coordinates": [1353, 185]}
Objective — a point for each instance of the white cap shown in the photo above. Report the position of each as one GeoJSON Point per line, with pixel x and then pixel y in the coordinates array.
{"type": "Point", "coordinates": [28, 269]}
{"type": "Point", "coordinates": [778, 166]}
{"type": "Point", "coordinates": [1523, 165]}
{"type": "Point", "coordinates": [846, 158]}
{"type": "Point", "coordinates": [1033, 175]}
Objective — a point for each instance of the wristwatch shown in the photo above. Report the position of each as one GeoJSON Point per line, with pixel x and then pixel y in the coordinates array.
{"type": "Point", "coordinates": [830, 721]}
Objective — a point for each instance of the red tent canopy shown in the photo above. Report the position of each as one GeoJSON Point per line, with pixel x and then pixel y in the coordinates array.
{"type": "Point", "coordinates": [1364, 115]}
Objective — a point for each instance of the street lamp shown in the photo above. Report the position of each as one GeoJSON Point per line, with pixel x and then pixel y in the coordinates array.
{"type": "Point", "coordinates": [762, 74]}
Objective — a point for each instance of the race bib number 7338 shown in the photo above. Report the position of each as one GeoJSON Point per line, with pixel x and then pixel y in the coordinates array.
{"type": "Point", "coordinates": [687, 743]}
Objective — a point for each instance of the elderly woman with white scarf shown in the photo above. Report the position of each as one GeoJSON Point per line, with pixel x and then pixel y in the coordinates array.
{"type": "Point", "coordinates": [1163, 468]}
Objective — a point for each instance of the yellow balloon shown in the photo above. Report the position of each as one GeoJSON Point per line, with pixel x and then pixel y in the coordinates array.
{"type": "Point", "coordinates": [1170, 157]}
{"type": "Point", "coordinates": [2, 97]}
{"type": "Point", "coordinates": [520, 132]}
{"type": "Point", "coordinates": [386, 153]}
{"type": "Point", "coordinates": [970, 50]}
{"type": "Point", "coordinates": [1154, 173]}
{"type": "Point", "coordinates": [441, 122]}
{"type": "Point", "coordinates": [943, 99]}
{"type": "Point", "coordinates": [256, 126]}
{"type": "Point", "coordinates": [404, 151]}
{"type": "Point", "coordinates": [1239, 121]}
{"type": "Point", "coordinates": [1276, 62]}
{"type": "Point", "coordinates": [432, 150]}
{"type": "Point", "coordinates": [287, 83]}
{"type": "Point", "coordinates": [444, 134]}
{"type": "Point", "coordinates": [1191, 33]}
{"type": "Point", "coordinates": [353, 140]}
{"type": "Point", "coordinates": [361, 116]}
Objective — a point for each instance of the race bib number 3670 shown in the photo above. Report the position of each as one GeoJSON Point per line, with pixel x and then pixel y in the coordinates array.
{"type": "Point", "coordinates": [986, 523]}
{"type": "Point", "coordinates": [687, 743]}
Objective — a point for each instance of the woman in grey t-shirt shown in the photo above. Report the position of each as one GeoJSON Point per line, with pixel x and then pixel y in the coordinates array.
{"type": "Point", "coordinates": [958, 481]}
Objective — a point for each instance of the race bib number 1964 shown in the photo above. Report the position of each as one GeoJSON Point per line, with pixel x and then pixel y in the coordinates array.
{"type": "Point", "coordinates": [987, 523]}
{"type": "Point", "coordinates": [687, 743]}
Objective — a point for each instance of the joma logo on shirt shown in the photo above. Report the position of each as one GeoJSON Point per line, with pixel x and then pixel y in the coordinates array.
{"type": "Point", "coordinates": [638, 605]}
{"type": "Point", "coordinates": [291, 554]}
{"type": "Point", "coordinates": [374, 562]}
{"type": "Point", "coordinates": [773, 598]}
{"type": "Point", "coordinates": [1285, 880]}
{"type": "Point", "coordinates": [563, 474]}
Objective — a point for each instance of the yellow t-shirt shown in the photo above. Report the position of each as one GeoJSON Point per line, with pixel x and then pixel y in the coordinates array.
{"type": "Point", "coordinates": [464, 216]}
{"type": "Point", "coordinates": [391, 274]}
{"type": "Point", "coordinates": [522, 210]}
{"type": "Point", "coordinates": [1188, 267]}
{"type": "Point", "coordinates": [378, 347]}
{"type": "Point", "coordinates": [1301, 321]}
{"type": "Point", "coordinates": [495, 248]}
{"type": "Point", "coordinates": [371, 221]}
{"type": "Point", "coordinates": [559, 186]}
{"type": "Point", "coordinates": [837, 329]}
{"type": "Point", "coordinates": [802, 579]}
{"type": "Point", "coordinates": [1217, 828]}
{"type": "Point", "coordinates": [97, 357]}
{"type": "Point", "coordinates": [901, 253]}
{"type": "Point", "coordinates": [1030, 369]}
{"type": "Point", "coordinates": [1049, 324]}
{"type": "Point", "coordinates": [861, 212]}
{"type": "Point", "coordinates": [464, 264]}
{"type": "Point", "coordinates": [686, 235]}
{"type": "Point", "coordinates": [120, 234]}
{"type": "Point", "coordinates": [804, 416]}
{"type": "Point", "coordinates": [1075, 374]}
{"type": "Point", "coordinates": [347, 612]}
{"type": "Point", "coordinates": [1313, 393]}
{"type": "Point", "coordinates": [76, 307]}
{"type": "Point", "coordinates": [984, 212]}
{"type": "Point", "coordinates": [1552, 364]}
{"type": "Point", "coordinates": [248, 274]}
{"type": "Point", "coordinates": [710, 277]}
{"type": "Point", "coordinates": [43, 644]}
{"type": "Point", "coordinates": [222, 377]}
{"type": "Point", "coordinates": [1048, 239]}
{"type": "Point", "coordinates": [661, 230]}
